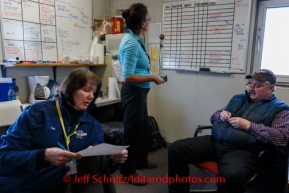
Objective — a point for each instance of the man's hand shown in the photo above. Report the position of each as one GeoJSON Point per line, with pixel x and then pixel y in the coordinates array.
{"type": "Point", "coordinates": [120, 157]}
{"type": "Point", "coordinates": [225, 116]}
{"type": "Point", "coordinates": [240, 123]}
{"type": "Point", "coordinates": [59, 157]}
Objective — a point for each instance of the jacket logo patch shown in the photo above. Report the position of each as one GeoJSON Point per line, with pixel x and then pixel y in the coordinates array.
{"type": "Point", "coordinates": [79, 134]}
{"type": "Point", "coordinates": [52, 128]}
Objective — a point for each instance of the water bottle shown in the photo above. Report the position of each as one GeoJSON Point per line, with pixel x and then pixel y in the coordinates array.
{"type": "Point", "coordinates": [17, 93]}
{"type": "Point", "coordinates": [11, 94]}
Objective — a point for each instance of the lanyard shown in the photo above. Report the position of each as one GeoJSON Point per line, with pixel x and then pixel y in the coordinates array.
{"type": "Point", "coordinates": [67, 138]}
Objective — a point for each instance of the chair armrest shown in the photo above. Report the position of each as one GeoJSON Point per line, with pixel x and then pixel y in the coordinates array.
{"type": "Point", "coordinates": [200, 128]}
{"type": "Point", "coordinates": [267, 158]}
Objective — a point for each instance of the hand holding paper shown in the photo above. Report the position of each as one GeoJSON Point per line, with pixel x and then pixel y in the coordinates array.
{"type": "Point", "coordinates": [102, 149]}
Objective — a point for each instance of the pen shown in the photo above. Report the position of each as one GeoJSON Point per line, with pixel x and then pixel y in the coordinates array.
{"type": "Point", "coordinates": [62, 147]}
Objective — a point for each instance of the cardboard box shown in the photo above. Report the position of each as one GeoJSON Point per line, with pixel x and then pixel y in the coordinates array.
{"type": "Point", "coordinates": [4, 88]}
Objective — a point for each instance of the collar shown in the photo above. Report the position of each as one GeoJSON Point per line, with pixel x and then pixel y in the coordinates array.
{"type": "Point", "coordinates": [135, 37]}
{"type": "Point", "coordinates": [75, 115]}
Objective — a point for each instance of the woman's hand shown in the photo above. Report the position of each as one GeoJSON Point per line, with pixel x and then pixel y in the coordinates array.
{"type": "Point", "coordinates": [59, 157]}
{"type": "Point", "coordinates": [120, 157]}
{"type": "Point", "coordinates": [158, 79]}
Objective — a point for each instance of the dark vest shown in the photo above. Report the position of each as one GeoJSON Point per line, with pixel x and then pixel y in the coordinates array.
{"type": "Point", "coordinates": [263, 111]}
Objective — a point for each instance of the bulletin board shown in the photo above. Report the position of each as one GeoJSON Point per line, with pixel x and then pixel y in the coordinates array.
{"type": "Point", "coordinates": [206, 35]}
{"type": "Point", "coordinates": [45, 29]}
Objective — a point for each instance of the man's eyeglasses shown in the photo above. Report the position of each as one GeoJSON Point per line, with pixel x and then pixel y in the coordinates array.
{"type": "Point", "coordinates": [255, 86]}
{"type": "Point", "coordinates": [148, 19]}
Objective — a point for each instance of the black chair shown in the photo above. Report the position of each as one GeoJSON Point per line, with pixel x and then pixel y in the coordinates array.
{"type": "Point", "coordinates": [271, 175]}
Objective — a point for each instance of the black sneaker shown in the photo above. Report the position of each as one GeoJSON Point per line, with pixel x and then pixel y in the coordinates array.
{"type": "Point", "coordinates": [148, 165]}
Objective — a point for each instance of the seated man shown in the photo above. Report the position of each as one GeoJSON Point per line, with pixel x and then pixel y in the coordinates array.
{"type": "Point", "coordinates": [250, 123]}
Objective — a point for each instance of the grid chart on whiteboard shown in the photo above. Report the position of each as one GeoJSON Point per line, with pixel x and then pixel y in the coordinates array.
{"type": "Point", "coordinates": [198, 35]}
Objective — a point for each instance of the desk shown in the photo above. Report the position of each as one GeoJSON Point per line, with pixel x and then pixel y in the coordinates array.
{"type": "Point", "coordinates": [106, 101]}
{"type": "Point", "coordinates": [98, 103]}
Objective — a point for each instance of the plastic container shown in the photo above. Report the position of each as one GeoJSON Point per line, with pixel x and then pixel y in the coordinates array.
{"type": "Point", "coordinates": [17, 93]}
{"type": "Point", "coordinates": [11, 94]}
{"type": "Point", "coordinates": [117, 25]}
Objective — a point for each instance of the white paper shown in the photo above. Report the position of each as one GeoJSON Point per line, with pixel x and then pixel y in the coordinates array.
{"type": "Point", "coordinates": [154, 52]}
{"type": "Point", "coordinates": [99, 51]}
{"type": "Point", "coordinates": [154, 32]}
{"type": "Point", "coordinates": [5, 80]}
{"type": "Point", "coordinates": [113, 89]}
{"type": "Point", "coordinates": [102, 149]}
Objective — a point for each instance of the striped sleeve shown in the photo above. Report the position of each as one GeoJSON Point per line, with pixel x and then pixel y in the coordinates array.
{"type": "Point", "coordinates": [216, 116]}
{"type": "Point", "coordinates": [277, 134]}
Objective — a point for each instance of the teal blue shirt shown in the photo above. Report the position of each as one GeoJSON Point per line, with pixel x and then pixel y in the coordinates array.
{"type": "Point", "coordinates": [133, 58]}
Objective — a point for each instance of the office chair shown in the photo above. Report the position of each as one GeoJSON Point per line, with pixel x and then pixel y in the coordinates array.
{"type": "Point", "coordinates": [273, 169]}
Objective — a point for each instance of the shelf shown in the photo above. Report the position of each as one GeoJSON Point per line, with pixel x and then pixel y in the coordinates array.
{"type": "Point", "coordinates": [54, 65]}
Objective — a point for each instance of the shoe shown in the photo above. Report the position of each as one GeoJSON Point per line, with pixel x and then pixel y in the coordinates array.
{"type": "Point", "coordinates": [135, 179]}
{"type": "Point", "coordinates": [148, 165]}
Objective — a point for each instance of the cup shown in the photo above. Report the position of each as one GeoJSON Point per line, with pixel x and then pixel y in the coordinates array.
{"type": "Point", "coordinates": [95, 59]}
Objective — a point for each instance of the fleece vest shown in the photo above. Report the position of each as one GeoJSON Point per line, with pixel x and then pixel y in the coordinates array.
{"type": "Point", "coordinates": [262, 111]}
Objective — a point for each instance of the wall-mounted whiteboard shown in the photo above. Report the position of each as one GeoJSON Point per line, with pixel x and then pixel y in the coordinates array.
{"type": "Point", "coordinates": [46, 29]}
{"type": "Point", "coordinates": [202, 35]}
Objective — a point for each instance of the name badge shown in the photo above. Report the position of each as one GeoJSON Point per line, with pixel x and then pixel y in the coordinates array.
{"type": "Point", "coordinates": [70, 168]}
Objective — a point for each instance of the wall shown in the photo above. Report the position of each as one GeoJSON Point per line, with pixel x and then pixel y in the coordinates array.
{"type": "Point", "coordinates": [99, 8]}
{"type": "Point", "coordinates": [189, 99]}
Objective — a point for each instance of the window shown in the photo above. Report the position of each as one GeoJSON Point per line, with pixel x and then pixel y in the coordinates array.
{"type": "Point", "coordinates": [272, 38]}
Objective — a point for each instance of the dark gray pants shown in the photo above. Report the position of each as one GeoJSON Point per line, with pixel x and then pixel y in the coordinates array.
{"type": "Point", "coordinates": [136, 127]}
{"type": "Point", "coordinates": [96, 168]}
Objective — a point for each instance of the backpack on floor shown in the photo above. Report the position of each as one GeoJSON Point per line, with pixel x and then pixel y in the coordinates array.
{"type": "Point", "coordinates": [156, 140]}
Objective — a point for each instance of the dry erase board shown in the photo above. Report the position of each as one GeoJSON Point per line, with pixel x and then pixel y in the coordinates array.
{"type": "Point", "coordinates": [45, 29]}
{"type": "Point", "coordinates": [202, 35]}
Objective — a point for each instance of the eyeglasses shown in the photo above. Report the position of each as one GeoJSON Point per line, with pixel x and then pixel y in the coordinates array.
{"type": "Point", "coordinates": [255, 86]}
{"type": "Point", "coordinates": [148, 18]}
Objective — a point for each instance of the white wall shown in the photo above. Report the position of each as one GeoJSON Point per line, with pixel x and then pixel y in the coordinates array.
{"type": "Point", "coordinates": [189, 99]}
{"type": "Point", "coordinates": [100, 7]}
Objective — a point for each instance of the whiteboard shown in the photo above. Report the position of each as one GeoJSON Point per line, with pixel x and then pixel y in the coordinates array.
{"type": "Point", "coordinates": [206, 35]}
{"type": "Point", "coordinates": [28, 8]}
{"type": "Point", "coordinates": [46, 29]}
{"type": "Point", "coordinates": [31, 31]}
{"type": "Point", "coordinates": [11, 9]}
{"type": "Point", "coordinates": [13, 48]}
{"type": "Point", "coordinates": [13, 29]}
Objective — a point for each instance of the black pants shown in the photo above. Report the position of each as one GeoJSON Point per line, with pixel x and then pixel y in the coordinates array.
{"type": "Point", "coordinates": [136, 127]}
{"type": "Point", "coordinates": [236, 166]}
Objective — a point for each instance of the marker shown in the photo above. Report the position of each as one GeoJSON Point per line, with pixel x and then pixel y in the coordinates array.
{"type": "Point", "coordinates": [26, 61]}
{"type": "Point", "coordinates": [219, 71]}
{"type": "Point", "coordinates": [165, 77]}
{"type": "Point", "coordinates": [49, 61]}
{"type": "Point", "coordinates": [62, 147]}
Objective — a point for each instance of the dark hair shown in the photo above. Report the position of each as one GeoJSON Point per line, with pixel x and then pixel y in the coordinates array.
{"type": "Point", "coordinates": [134, 15]}
{"type": "Point", "coordinates": [75, 80]}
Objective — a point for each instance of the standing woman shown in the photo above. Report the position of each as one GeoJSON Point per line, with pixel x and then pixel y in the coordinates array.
{"type": "Point", "coordinates": [135, 87]}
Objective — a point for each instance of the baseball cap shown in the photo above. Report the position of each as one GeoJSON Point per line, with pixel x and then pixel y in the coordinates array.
{"type": "Point", "coordinates": [263, 75]}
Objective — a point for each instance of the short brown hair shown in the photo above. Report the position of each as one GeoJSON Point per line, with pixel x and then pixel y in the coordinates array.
{"type": "Point", "coordinates": [75, 80]}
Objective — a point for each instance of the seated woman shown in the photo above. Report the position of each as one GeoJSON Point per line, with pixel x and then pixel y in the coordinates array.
{"type": "Point", "coordinates": [31, 159]}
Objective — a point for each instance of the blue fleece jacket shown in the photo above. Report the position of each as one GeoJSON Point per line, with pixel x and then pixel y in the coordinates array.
{"type": "Point", "coordinates": [36, 128]}
{"type": "Point", "coordinates": [133, 58]}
